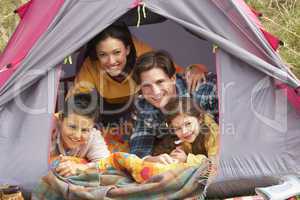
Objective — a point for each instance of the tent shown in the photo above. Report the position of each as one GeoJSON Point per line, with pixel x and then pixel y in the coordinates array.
{"type": "Point", "coordinates": [259, 99]}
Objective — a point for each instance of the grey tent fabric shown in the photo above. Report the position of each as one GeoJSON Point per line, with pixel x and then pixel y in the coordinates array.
{"type": "Point", "coordinates": [253, 113]}
{"type": "Point", "coordinates": [25, 124]}
{"type": "Point", "coordinates": [206, 19]}
{"type": "Point", "coordinates": [201, 17]}
{"type": "Point", "coordinates": [258, 126]}
{"type": "Point", "coordinates": [185, 48]}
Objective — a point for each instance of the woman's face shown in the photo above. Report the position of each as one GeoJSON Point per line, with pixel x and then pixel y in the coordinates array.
{"type": "Point", "coordinates": [186, 127]}
{"type": "Point", "coordinates": [112, 54]}
{"type": "Point", "coordinates": [75, 130]}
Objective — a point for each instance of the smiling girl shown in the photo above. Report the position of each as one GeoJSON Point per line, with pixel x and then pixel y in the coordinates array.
{"type": "Point", "coordinates": [196, 130]}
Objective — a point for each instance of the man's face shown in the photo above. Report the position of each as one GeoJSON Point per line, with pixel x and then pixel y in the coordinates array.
{"type": "Point", "coordinates": [157, 88]}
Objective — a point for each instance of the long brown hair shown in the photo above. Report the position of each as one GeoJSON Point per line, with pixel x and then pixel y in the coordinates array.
{"type": "Point", "coordinates": [187, 106]}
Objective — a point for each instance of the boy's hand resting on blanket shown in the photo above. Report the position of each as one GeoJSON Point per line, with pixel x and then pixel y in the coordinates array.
{"type": "Point", "coordinates": [162, 158]}
{"type": "Point", "coordinates": [67, 167]}
{"type": "Point", "coordinates": [179, 154]}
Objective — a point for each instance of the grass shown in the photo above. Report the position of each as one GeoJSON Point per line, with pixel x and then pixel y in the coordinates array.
{"type": "Point", "coordinates": [280, 17]}
{"type": "Point", "coordinates": [8, 20]}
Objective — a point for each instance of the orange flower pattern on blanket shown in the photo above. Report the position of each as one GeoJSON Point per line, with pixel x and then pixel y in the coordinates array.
{"type": "Point", "coordinates": [71, 158]}
{"type": "Point", "coordinates": [139, 169]}
{"type": "Point", "coordinates": [117, 137]}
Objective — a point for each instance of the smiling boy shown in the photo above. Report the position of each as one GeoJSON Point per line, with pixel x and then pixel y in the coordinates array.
{"type": "Point", "coordinates": [74, 138]}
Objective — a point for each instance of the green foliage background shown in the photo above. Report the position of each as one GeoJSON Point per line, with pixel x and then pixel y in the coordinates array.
{"type": "Point", "coordinates": [280, 17]}
{"type": "Point", "coordinates": [8, 19]}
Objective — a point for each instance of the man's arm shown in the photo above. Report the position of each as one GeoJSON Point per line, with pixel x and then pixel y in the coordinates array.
{"type": "Point", "coordinates": [143, 136]}
{"type": "Point", "coordinates": [141, 145]}
{"type": "Point", "coordinates": [85, 80]}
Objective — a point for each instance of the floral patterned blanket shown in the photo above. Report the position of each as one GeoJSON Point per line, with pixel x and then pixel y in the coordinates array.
{"type": "Point", "coordinates": [117, 182]}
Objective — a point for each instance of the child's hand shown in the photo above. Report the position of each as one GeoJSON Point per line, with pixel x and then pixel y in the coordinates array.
{"type": "Point", "coordinates": [214, 166]}
{"type": "Point", "coordinates": [179, 154]}
{"type": "Point", "coordinates": [162, 158]}
{"type": "Point", "coordinates": [67, 167]}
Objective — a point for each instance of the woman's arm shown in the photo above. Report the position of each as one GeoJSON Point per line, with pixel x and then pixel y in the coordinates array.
{"type": "Point", "coordinates": [195, 75]}
{"type": "Point", "coordinates": [86, 80]}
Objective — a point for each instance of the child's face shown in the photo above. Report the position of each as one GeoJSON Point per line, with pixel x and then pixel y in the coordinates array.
{"type": "Point", "coordinates": [186, 127]}
{"type": "Point", "coordinates": [75, 130]}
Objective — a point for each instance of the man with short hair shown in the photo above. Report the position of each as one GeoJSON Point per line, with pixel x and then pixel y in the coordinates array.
{"type": "Point", "coordinates": [156, 75]}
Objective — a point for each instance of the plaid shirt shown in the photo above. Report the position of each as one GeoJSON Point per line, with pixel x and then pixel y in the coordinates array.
{"type": "Point", "coordinates": [150, 122]}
